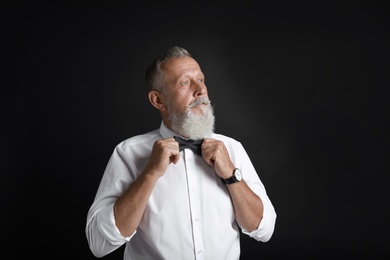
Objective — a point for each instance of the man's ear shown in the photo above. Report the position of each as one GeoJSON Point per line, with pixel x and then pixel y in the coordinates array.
{"type": "Point", "coordinates": [156, 100]}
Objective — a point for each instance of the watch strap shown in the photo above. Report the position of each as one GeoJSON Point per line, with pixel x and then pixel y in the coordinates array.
{"type": "Point", "coordinates": [230, 180]}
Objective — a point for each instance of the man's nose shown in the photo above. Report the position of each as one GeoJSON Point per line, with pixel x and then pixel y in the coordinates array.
{"type": "Point", "coordinates": [200, 89]}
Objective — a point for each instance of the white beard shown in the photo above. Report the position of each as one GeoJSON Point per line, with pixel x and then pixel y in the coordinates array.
{"type": "Point", "coordinates": [193, 125]}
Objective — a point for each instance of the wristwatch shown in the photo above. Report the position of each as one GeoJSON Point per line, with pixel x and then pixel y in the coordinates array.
{"type": "Point", "coordinates": [237, 177]}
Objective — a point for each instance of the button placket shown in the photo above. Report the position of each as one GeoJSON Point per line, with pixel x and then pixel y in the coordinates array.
{"type": "Point", "coordinates": [194, 203]}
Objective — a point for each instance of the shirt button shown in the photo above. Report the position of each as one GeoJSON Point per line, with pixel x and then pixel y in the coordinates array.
{"type": "Point", "coordinates": [200, 252]}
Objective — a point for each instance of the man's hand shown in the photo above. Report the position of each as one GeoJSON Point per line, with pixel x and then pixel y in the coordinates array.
{"type": "Point", "coordinates": [164, 152]}
{"type": "Point", "coordinates": [215, 153]}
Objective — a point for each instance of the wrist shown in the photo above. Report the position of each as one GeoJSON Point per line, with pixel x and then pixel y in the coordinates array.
{"type": "Point", "coordinates": [234, 178]}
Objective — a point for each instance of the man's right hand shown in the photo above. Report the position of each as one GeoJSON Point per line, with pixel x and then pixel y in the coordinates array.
{"type": "Point", "coordinates": [164, 152]}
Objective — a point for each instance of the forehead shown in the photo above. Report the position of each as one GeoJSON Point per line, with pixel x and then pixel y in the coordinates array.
{"type": "Point", "coordinates": [180, 66]}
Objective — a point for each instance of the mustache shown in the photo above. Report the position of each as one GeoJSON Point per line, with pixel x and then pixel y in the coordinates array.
{"type": "Point", "coordinates": [199, 101]}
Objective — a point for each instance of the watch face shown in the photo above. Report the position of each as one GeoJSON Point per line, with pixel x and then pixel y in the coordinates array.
{"type": "Point", "coordinates": [238, 175]}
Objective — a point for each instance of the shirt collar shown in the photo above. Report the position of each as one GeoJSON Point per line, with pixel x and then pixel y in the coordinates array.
{"type": "Point", "coordinates": [165, 132]}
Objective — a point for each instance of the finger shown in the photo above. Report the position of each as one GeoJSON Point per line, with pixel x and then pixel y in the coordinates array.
{"type": "Point", "coordinates": [174, 150]}
{"type": "Point", "coordinates": [173, 142]}
{"type": "Point", "coordinates": [175, 158]}
{"type": "Point", "coordinates": [208, 157]}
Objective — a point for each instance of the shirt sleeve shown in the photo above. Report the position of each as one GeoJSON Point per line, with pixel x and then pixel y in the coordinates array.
{"type": "Point", "coordinates": [267, 224]}
{"type": "Point", "coordinates": [102, 234]}
{"type": "Point", "coordinates": [266, 227]}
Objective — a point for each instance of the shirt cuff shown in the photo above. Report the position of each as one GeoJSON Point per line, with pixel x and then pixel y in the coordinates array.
{"type": "Point", "coordinates": [266, 227]}
{"type": "Point", "coordinates": [107, 226]}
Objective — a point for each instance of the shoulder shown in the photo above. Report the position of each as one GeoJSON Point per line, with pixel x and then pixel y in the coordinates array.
{"type": "Point", "coordinates": [227, 140]}
{"type": "Point", "coordinates": [142, 140]}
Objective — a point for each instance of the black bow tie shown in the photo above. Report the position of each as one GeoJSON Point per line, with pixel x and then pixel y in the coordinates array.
{"type": "Point", "coordinates": [194, 145]}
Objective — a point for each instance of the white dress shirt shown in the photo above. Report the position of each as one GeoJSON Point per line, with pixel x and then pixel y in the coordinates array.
{"type": "Point", "coordinates": [189, 214]}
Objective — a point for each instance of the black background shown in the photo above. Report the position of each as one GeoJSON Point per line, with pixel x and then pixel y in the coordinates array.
{"type": "Point", "coordinates": [303, 85]}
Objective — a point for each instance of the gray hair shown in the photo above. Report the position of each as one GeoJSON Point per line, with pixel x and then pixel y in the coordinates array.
{"type": "Point", "coordinates": [154, 77]}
